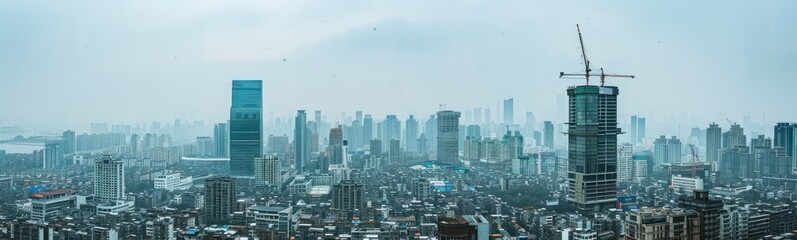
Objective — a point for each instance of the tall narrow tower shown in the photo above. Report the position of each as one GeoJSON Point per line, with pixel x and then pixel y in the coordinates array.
{"type": "Point", "coordinates": [246, 126]}
{"type": "Point", "coordinates": [301, 144]}
{"type": "Point", "coordinates": [592, 146]}
{"type": "Point", "coordinates": [448, 136]}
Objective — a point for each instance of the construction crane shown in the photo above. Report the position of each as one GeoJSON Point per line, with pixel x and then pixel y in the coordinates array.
{"type": "Point", "coordinates": [443, 106]}
{"type": "Point", "coordinates": [695, 160]}
{"type": "Point", "coordinates": [587, 70]}
{"type": "Point", "coordinates": [731, 122]}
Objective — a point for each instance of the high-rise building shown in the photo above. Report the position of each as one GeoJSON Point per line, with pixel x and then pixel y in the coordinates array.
{"type": "Point", "coordinates": [246, 123]}
{"type": "Point", "coordinates": [640, 128]}
{"type": "Point", "coordinates": [592, 146]}
{"type": "Point", "coordinates": [68, 138]}
{"type": "Point", "coordinates": [411, 134]}
{"type": "Point", "coordinates": [713, 143]}
{"type": "Point", "coordinates": [221, 139]}
{"type": "Point", "coordinates": [219, 199]}
{"type": "Point", "coordinates": [335, 148]}
{"type": "Point", "coordinates": [760, 142]}
{"type": "Point", "coordinates": [734, 137]}
{"type": "Point", "coordinates": [448, 136]}
{"type": "Point", "coordinates": [204, 146]}
{"type": "Point", "coordinates": [634, 130]}
{"type": "Point", "coordinates": [347, 196]}
{"type": "Point", "coordinates": [709, 210]}
{"type": "Point", "coordinates": [267, 171]}
{"type": "Point", "coordinates": [509, 111]}
{"type": "Point", "coordinates": [368, 128]}
{"type": "Point", "coordinates": [301, 142]}
{"type": "Point", "coordinates": [109, 179]}
{"type": "Point", "coordinates": [785, 137]}
{"type": "Point", "coordinates": [662, 223]}
{"type": "Point", "coordinates": [391, 130]}
{"type": "Point", "coordinates": [666, 150]}
{"type": "Point", "coordinates": [431, 132]}
{"type": "Point", "coordinates": [394, 151]}
{"type": "Point", "coordinates": [734, 222]}
{"type": "Point", "coordinates": [53, 156]}
{"type": "Point", "coordinates": [473, 132]}
{"type": "Point", "coordinates": [548, 129]}
{"type": "Point", "coordinates": [625, 163]}
{"type": "Point", "coordinates": [135, 143]}
{"type": "Point", "coordinates": [530, 125]}
{"type": "Point", "coordinates": [376, 148]}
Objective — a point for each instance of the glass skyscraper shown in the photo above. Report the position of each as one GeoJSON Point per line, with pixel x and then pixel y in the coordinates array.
{"type": "Point", "coordinates": [246, 126]}
{"type": "Point", "coordinates": [592, 146]}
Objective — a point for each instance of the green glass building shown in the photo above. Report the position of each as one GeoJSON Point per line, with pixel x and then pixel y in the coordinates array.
{"type": "Point", "coordinates": [592, 146]}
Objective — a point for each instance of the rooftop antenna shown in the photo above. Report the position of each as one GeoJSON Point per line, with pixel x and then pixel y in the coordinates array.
{"type": "Point", "coordinates": [587, 70]}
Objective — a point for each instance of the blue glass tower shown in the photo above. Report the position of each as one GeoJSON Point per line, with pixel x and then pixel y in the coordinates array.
{"type": "Point", "coordinates": [246, 126]}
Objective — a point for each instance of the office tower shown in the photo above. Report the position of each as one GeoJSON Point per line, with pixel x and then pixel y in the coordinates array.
{"type": "Point", "coordinates": [431, 132]}
{"type": "Point", "coordinates": [347, 197]}
{"type": "Point", "coordinates": [509, 111]}
{"type": "Point", "coordinates": [477, 116]}
{"type": "Point", "coordinates": [368, 128]}
{"type": "Point", "coordinates": [713, 143]}
{"type": "Point", "coordinates": [625, 164]}
{"type": "Point", "coordinates": [68, 144]}
{"type": "Point", "coordinates": [662, 223]}
{"type": "Point", "coordinates": [592, 146]}
{"type": "Point", "coordinates": [53, 156]}
{"type": "Point", "coordinates": [411, 134]}
{"type": "Point", "coordinates": [221, 139]}
{"type": "Point", "coordinates": [734, 137]}
{"type": "Point", "coordinates": [548, 129]}
{"type": "Point", "coordinates": [246, 123]}
{"type": "Point", "coordinates": [109, 179]}
{"type": "Point", "coordinates": [394, 151]}
{"type": "Point", "coordinates": [219, 199]}
{"type": "Point", "coordinates": [709, 210]}
{"type": "Point", "coordinates": [204, 146]}
{"type": "Point", "coordinates": [640, 128]}
{"type": "Point", "coordinates": [335, 149]}
{"type": "Point", "coordinates": [301, 143]}
{"type": "Point", "coordinates": [267, 171]}
{"type": "Point", "coordinates": [376, 148]}
{"type": "Point", "coordinates": [529, 126]}
{"type": "Point", "coordinates": [634, 130]}
{"type": "Point", "coordinates": [785, 138]}
{"type": "Point", "coordinates": [391, 130]}
{"type": "Point", "coordinates": [448, 137]}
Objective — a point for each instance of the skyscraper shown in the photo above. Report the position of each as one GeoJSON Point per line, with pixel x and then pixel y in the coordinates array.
{"type": "Point", "coordinates": [368, 128]}
{"type": "Point", "coordinates": [221, 139]}
{"type": "Point", "coordinates": [592, 146]}
{"type": "Point", "coordinates": [448, 136]}
{"type": "Point", "coordinates": [713, 143]}
{"type": "Point", "coordinates": [640, 130]}
{"type": "Point", "coordinates": [709, 210]}
{"type": "Point", "coordinates": [785, 137]}
{"type": "Point", "coordinates": [411, 134]}
{"type": "Point", "coordinates": [633, 138]}
{"type": "Point", "coordinates": [246, 123]}
{"type": "Point", "coordinates": [391, 130]}
{"type": "Point", "coordinates": [53, 155]}
{"type": "Point", "coordinates": [734, 137]}
{"type": "Point", "coordinates": [509, 110]}
{"type": "Point", "coordinates": [301, 145]}
{"type": "Point", "coordinates": [431, 132]}
{"type": "Point", "coordinates": [529, 127]}
{"type": "Point", "coordinates": [109, 179]}
{"type": "Point", "coordinates": [219, 199]}
{"type": "Point", "coordinates": [625, 163]}
{"type": "Point", "coordinates": [335, 146]}
{"type": "Point", "coordinates": [68, 138]}
{"type": "Point", "coordinates": [666, 151]}
{"type": "Point", "coordinates": [548, 129]}
{"type": "Point", "coordinates": [267, 171]}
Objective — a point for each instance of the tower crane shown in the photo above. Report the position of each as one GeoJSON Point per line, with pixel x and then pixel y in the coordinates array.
{"type": "Point", "coordinates": [695, 160]}
{"type": "Point", "coordinates": [587, 70]}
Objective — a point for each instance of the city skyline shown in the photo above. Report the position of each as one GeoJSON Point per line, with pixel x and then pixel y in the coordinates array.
{"type": "Point", "coordinates": [164, 78]}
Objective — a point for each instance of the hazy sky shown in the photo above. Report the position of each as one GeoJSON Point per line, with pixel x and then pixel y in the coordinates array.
{"type": "Point", "coordinates": [68, 63]}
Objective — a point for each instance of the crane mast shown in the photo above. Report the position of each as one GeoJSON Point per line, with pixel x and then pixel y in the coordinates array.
{"type": "Point", "coordinates": [587, 69]}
